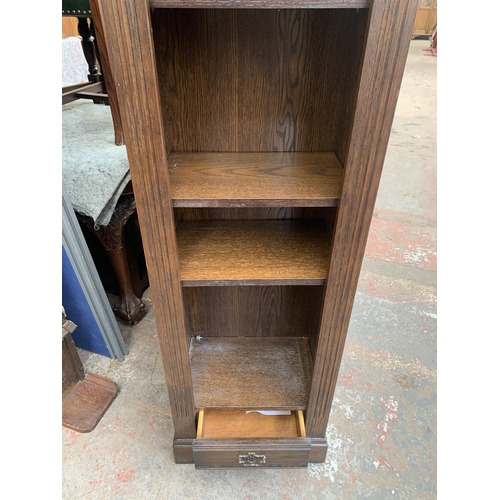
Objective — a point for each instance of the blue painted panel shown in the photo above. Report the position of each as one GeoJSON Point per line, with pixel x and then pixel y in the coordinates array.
{"type": "Point", "coordinates": [87, 335]}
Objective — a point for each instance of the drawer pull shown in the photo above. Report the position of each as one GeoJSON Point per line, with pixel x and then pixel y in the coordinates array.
{"type": "Point", "coordinates": [251, 460]}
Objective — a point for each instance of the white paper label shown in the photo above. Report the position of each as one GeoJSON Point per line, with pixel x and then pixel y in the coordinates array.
{"type": "Point", "coordinates": [271, 412]}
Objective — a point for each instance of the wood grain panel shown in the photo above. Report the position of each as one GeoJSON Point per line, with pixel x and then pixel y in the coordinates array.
{"type": "Point", "coordinates": [225, 453]}
{"type": "Point", "coordinates": [258, 80]}
{"type": "Point", "coordinates": [107, 73]}
{"type": "Point", "coordinates": [196, 51]}
{"type": "Point", "coordinates": [379, 85]}
{"type": "Point", "coordinates": [255, 311]}
{"type": "Point", "coordinates": [224, 253]}
{"type": "Point", "coordinates": [72, 367]}
{"type": "Point", "coordinates": [253, 213]}
{"type": "Point", "coordinates": [69, 27]}
{"type": "Point", "coordinates": [255, 179]}
{"type": "Point", "coordinates": [261, 4]}
{"type": "Point", "coordinates": [127, 30]}
{"type": "Point", "coordinates": [270, 69]}
{"type": "Point", "coordinates": [296, 78]}
{"type": "Point", "coordinates": [330, 77]}
{"type": "Point", "coordinates": [251, 373]}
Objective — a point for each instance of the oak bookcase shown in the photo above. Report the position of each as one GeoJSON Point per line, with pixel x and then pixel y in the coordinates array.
{"type": "Point", "coordinates": [256, 132]}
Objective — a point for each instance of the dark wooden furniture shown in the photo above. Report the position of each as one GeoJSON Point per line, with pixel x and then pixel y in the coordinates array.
{"type": "Point", "coordinates": [100, 87]}
{"type": "Point", "coordinates": [85, 396]}
{"type": "Point", "coordinates": [119, 255]}
{"type": "Point", "coordinates": [256, 133]}
{"type": "Point", "coordinates": [124, 252]}
{"type": "Point", "coordinates": [128, 244]}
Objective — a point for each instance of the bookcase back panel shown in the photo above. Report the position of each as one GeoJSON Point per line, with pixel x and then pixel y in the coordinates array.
{"type": "Point", "coordinates": [253, 311]}
{"type": "Point", "coordinates": [256, 213]}
{"type": "Point", "coordinates": [258, 80]}
{"type": "Point", "coordinates": [265, 213]}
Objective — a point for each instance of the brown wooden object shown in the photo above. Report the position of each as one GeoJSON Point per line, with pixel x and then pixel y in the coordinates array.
{"type": "Point", "coordinates": [101, 85]}
{"type": "Point", "coordinates": [256, 311]}
{"type": "Point", "coordinates": [256, 134]}
{"type": "Point", "coordinates": [107, 73]}
{"type": "Point", "coordinates": [85, 397]}
{"type": "Point", "coordinates": [258, 373]}
{"type": "Point", "coordinates": [89, 48]}
{"type": "Point", "coordinates": [230, 424]}
{"type": "Point", "coordinates": [253, 252]}
{"type": "Point", "coordinates": [426, 18]}
{"type": "Point", "coordinates": [128, 307]}
{"type": "Point", "coordinates": [101, 89]}
{"type": "Point", "coordinates": [255, 179]}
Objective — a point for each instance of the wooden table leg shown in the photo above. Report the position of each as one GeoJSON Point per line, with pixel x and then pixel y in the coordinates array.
{"type": "Point", "coordinates": [128, 307]}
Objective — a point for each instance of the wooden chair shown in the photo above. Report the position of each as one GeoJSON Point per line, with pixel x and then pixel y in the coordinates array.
{"type": "Point", "coordinates": [100, 87]}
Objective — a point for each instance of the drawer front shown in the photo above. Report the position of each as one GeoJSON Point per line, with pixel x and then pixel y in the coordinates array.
{"type": "Point", "coordinates": [254, 453]}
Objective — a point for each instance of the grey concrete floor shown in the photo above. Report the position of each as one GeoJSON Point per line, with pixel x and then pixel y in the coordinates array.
{"type": "Point", "coordinates": [382, 427]}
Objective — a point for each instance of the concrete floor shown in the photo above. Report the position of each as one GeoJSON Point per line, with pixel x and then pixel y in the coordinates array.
{"type": "Point", "coordinates": [382, 427]}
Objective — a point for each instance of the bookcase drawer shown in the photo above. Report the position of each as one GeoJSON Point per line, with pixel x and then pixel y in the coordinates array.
{"type": "Point", "coordinates": [237, 438]}
{"type": "Point", "coordinates": [237, 453]}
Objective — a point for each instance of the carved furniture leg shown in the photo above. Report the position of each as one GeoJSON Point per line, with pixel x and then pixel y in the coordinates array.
{"type": "Point", "coordinates": [89, 49]}
{"type": "Point", "coordinates": [128, 307]}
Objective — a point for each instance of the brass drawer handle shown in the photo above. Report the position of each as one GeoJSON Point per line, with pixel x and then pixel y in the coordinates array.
{"type": "Point", "coordinates": [251, 459]}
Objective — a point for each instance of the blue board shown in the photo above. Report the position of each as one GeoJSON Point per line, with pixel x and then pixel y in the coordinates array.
{"type": "Point", "coordinates": [87, 334]}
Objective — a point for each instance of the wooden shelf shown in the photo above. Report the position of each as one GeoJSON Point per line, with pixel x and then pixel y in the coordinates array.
{"type": "Point", "coordinates": [260, 4]}
{"type": "Point", "coordinates": [221, 253]}
{"type": "Point", "coordinates": [251, 372]}
{"type": "Point", "coordinates": [255, 179]}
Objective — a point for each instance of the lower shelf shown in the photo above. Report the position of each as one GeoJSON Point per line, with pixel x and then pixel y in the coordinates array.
{"type": "Point", "coordinates": [267, 373]}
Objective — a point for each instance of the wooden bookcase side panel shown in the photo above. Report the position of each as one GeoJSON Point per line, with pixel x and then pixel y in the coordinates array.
{"type": "Point", "coordinates": [380, 80]}
{"type": "Point", "coordinates": [126, 26]}
{"type": "Point", "coordinates": [250, 80]}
